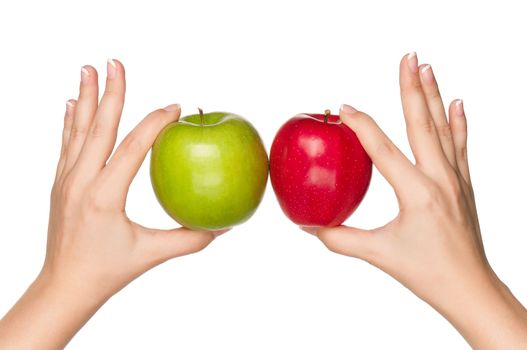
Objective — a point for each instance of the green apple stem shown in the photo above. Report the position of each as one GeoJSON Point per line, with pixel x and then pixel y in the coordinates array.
{"type": "Point", "coordinates": [201, 116]}
{"type": "Point", "coordinates": [327, 112]}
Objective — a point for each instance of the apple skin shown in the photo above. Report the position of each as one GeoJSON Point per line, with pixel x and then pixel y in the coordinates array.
{"type": "Point", "coordinates": [319, 170]}
{"type": "Point", "coordinates": [209, 176]}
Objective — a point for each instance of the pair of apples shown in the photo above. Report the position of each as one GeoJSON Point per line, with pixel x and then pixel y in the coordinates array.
{"type": "Point", "coordinates": [209, 171]}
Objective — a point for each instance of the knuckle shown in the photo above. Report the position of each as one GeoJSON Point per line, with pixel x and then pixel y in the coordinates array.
{"type": "Point", "coordinates": [433, 94]}
{"type": "Point", "coordinates": [366, 122]}
{"type": "Point", "coordinates": [411, 86]}
{"type": "Point", "coordinates": [97, 202]}
{"type": "Point", "coordinates": [366, 119]}
{"type": "Point", "coordinates": [132, 144]}
{"type": "Point", "coordinates": [430, 196]}
{"type": "Point", "coordinates": [453, 185]}
{"type": "Point", "coordinates": [385, 148]}
{"type": "Point", "coordinates": [68, 190]}
{"type": "Point", "coordinates": [77, 132]}
{"type": "Point", "coordinates": [462, 153]}
{"type": "Point", "coordinates": [198, 248]}
{"type": "Point", "coordinates": [97, 130]}
{"type": "Point", "coordinates": [155, 114]}
{"type": "Point", "coordinates": [423, 125]}
{"type": "Point", "coordinates": [444, 131]}
{"type": "Point", "coordinates": [111, 92]}
{"type": "Point", "coordinates": [54, 191]}
{"type": "Point", "coordinates": [330, 244]}
{"type": "Point", "coordinates": [331, 247]}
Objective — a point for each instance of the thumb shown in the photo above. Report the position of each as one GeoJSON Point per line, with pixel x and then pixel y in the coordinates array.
{"type": "Point", "coordinates": [162, 245]}
{"type": "Point", "coordinates": [345, 240]}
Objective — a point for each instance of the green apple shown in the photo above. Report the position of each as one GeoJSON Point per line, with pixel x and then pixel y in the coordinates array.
{"type": "Point", "coordinates": [209, 171]}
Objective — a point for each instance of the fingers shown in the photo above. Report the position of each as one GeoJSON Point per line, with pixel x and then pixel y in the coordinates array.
{"type": "Point", "coordinates": [458, 126]}
{"type": "Point", "coordinates": [129, 155]}
{"type": "Point", "coordinates": [388, 159]}
{"type": "Point", "coordinates": [84, 112]}
{"type": "Point", "coordinates": [437, 111]}
{"type": "Point", "coordinates": [162, 245]}
{"type": "Point", "coordinates": [422, 133]}
{"type": "Point", "coordinates": [362, 244]}
{"type": "Point", "coordinates": [103, 131]}
{"type": "Point", "coordinates": [68, 123]}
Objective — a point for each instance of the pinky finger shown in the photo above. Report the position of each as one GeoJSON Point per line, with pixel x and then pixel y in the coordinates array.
{"type": "Point", "coordinates": [458, 126]}
{"type": "Point", "coordinates": [68, 122]}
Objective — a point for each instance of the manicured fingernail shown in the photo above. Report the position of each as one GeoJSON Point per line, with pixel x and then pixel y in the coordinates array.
{"type": "Point", "coordinates": [172, 108]}
{"type": "Point", "coordinates": [427, 74]}
{"type": "Point", "coordinates": [411, 60]}
{"type": "Point", "coordinates": [70, 104]}
{"type": "Point", "coordinates": [459, 108]}
{"type": "Point", "coordinates": [344, 108]}
{"type": "Point", "coordinates": [85, 74]}
{"type": "Point", "coordinates": [111, 68]}
{"type": "Point", "coordinates": [310, 229]}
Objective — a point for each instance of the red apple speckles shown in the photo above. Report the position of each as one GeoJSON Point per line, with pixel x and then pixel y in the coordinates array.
{"type": "Point", "coordinates": [319, 170]}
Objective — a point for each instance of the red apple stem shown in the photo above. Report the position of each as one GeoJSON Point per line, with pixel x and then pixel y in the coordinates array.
{"type": "Point", "coordinates": [201, 116]}
{"type": "Point", "coordinates": [327, 112]}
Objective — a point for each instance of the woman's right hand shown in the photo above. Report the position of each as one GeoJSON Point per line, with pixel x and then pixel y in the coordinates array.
{"type": "Point", "coordinates": [434, 245]}
{"type": "Point", "coordinates": [94, 249]}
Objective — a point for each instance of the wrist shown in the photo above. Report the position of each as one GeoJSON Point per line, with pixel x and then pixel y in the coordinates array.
{"type": "Point", "coordinates": [49, 314]}
{"type": "Point", "coordinates": [70, 291]}
{"type": "Point", "coordinates": [483, 310]}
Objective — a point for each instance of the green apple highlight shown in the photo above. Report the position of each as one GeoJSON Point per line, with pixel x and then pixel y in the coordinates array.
{"type": "Point", "coordinates": [209, 171]}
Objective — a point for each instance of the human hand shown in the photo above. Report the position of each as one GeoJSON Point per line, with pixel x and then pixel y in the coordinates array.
{"type": "Point", "coordinates": [91, 239]}
{"type": "Point", "coordinates": [434, 245]}
{"type": "Point", "coordinates": [93, 248]}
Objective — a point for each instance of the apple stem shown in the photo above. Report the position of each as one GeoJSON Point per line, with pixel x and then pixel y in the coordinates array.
{"type": "Point", "coordinates": [327, 112]}
{"type": "Point", "coordinates": [201, 115]}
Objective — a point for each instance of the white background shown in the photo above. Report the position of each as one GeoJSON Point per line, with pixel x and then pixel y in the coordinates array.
{"type": "Point", "coordinates": [266, 284]}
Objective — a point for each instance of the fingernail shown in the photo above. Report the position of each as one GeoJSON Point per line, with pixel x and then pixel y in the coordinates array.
{"type": "Point", "coordinates": [411, 59]}
{"type": "Point", "coordinates": [70, 104]}
{"type": "Point", "coordinates": [344, 108]}
{"type": "Point", "coordinates": [111, 68]}
{"type": "Point", "coordinates": [310, 229]}
{"type": "Point", "coordinates": [85, 74]}
{"type": "Point", "coordinates": [427, 73]}
{"type": "Point", "coordinates": [172, 108]}
{"type": "Point", "coordinates": [459, 108]}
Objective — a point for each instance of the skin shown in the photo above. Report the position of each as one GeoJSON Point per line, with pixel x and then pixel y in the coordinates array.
{"type": "Point", "coordinates": [433, 246]}
{"type": "Point", "coordinates": [93, 249]}
{"type": "Point", "coordinates": [209, 176]}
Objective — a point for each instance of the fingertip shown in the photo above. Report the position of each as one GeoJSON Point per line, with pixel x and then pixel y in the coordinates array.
{"type": "Point", "coordinates": [459, 108]}
{"type": "Point", "coordinates": [218, 233]}
{"type": "Point", "coordinates": [116, 63]}
{"type": "Point", "coordinates": [70, 105]}
{"type": "Point", "coordinates": [310, 229]}
{"type": "Point", "coordinates": [456, 112]}
{"type": "Point", "coordinates": [426, 73]}
{"type": "Point", "coordinates": [175, 107]}
{"type": "Point", "coordinates": [346, 109]}
{"type": "Point", "coordinates": [88, 74]}
{"type": "Point", "coordinates": [114, 69]}
{"type": "Point", "coordinates": [348, 114]}
{"type": "Point", "coordinates": [70, 111]}
{"type": "Point", "coordinates": [409, 62]}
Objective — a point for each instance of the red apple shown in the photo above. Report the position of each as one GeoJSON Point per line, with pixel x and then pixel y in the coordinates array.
{"type": "Point", "coordinates": [319, 170]}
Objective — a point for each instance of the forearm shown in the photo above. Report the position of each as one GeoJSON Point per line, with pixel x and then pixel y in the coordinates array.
{"type": "Point", "coordinates": [47, 316]}
{"type": "Point", "coordinates": [486, 313]}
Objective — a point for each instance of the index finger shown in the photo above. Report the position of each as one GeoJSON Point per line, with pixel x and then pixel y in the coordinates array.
{"type": "Point", "coordinates": [121, 169]}
{"type": "Point", "coordinates": [388, 159]}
